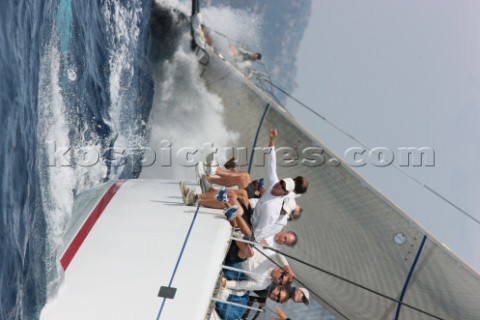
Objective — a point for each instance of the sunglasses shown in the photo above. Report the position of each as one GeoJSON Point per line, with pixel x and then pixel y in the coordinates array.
{"type": "Point", "coordinates": [277, 298]}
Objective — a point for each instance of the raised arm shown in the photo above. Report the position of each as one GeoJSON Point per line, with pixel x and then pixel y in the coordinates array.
{"type": "Point", "coordinates": [272, 160]}
{"type": "Point", "coordinates": [281, 315]}
{"type": "Point", "coordinates": [273, 135]}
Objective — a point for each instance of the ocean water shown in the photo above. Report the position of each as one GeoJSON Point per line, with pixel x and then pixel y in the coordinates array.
{"type": "Point", "coordinates": [74, 77]}
{"type": "Point", "coordinates": [78, 81]}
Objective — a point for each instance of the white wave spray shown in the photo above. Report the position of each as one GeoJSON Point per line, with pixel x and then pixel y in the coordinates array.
{"type": "Point", "coordinates": [185, 115]}
{"type": "Point", "coordinates": [60, 177]}
{"type": "Point", "coordinates": [123, 31]}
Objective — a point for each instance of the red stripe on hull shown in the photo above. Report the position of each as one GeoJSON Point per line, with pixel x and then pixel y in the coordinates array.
{"type": "Point", "coordinates": [88, 225]}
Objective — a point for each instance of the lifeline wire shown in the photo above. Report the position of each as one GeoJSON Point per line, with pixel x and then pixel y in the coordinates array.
{"type": "Point", "coordinates": [352, 282]}
{"type": "Point", "coordinates": [319, 297]}
{"type": "Point", "coordinates": [337, 276]}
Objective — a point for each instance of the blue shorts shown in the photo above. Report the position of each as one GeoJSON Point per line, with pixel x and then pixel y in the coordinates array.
{"type": "Point", "coordinates": [234, 275]}
{"type": "Point", "coordinates": [229, 312]}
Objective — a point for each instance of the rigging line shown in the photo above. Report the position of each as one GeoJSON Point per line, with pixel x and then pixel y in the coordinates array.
{"type": "Point", "coordinates": [354, 283]}
{"type": "Point", "coordinates": [267, 107]}
{"type": "Point", "coordinates": [268, 80]}
{"type": "Point", "coordinates": [267, 308]}
{"type": "Point", "coordinates": [218, 80]}
{"type": "Point", "coordinates": [303, 284]}
{"type": "Point", "coordinates": [230, 41]}
{"type": "Point", "coordinates": [320, 116]}
{"type": "Point", "coordinates": [433, 191]}
{"type": "Point", "coordinates": [268, 90]}
{"type": "Point", "coordinates": [243, 44]}
{"type": "Point", "coordinates": [338, 277]}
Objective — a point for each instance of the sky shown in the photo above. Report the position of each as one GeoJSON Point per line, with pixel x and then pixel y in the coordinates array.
{"type": "Point", "coordinates": [402, 74]}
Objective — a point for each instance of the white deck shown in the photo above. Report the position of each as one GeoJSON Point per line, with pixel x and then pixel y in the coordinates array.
{"type": "Point", "coordinates": [133, 250]}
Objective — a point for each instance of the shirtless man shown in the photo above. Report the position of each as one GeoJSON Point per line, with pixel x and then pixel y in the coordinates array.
{"type": "Point", "coordinates": [210, 173]}
{"type": "Point", "coordinates": [229, 178]}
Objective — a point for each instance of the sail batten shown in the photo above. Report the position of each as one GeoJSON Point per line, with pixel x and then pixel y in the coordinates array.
{"type": "Point", "coordinates": [405, 287]}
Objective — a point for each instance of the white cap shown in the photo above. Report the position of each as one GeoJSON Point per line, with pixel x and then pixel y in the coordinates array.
{"type": "Point", "coordinates": [289, 184]}
{"type": "Point", "coordinates": [289, 204]}
{"type": "Point", "coordinates": [306, 295]}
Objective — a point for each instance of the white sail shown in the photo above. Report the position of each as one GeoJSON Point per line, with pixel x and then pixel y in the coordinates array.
{"type": "Point", "coordinates": [348, 227]}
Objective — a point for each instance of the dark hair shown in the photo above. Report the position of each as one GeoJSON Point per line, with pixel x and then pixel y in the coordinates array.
{"type": "Point", "coordinates": [255, 56]}
{"type": "Point", "coordinates": [230, 164]}
{"type": "Point", "coordinates": [301, 185]}
{"type": "Point", "coordinates": [293, 216]}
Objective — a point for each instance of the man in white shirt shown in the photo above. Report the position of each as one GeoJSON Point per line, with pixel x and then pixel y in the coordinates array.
{"type": "Point", "coordinates": [287, 238]}
{"type": "Point", "coordinates": [240, 251]}
{"type": "Point", "coordinates": [272, 204]}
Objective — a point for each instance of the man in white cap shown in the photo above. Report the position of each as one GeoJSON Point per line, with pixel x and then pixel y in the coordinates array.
{"type": "Point", "coordinates": [299, 295]}
{"type": "Point", "coordinates": [273, 207]}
